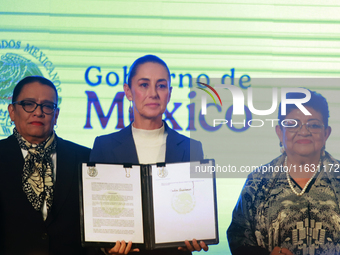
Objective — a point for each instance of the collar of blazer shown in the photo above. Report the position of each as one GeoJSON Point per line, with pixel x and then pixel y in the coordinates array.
{"type": "Point", "coordinates": [174, 150]}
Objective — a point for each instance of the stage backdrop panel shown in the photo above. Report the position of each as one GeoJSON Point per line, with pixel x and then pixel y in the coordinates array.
{"type": "Point", "coordinates": [87, 47]}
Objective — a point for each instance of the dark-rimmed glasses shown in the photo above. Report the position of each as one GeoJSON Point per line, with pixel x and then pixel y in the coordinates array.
{"type": "Point", "coordinates": [313, 126]}
{"type": "Point", "coordinates": [31, 106]}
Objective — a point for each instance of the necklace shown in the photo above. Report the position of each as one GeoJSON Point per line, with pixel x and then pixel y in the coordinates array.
{"type": "Point", "coordinates": [306, 186]}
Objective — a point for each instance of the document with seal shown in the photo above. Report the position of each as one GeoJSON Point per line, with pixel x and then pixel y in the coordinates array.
{"type": "Point", "coordinates": [111, 204]}
{"type": "Point", "coordinates": [184, 207]}
{"type": "Point", "coordinates": [154, 206]}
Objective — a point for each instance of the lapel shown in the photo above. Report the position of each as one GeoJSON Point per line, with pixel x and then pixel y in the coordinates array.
{"type": "Point", "coordinates": [11, 152]}
{"type": "Point", "coordinates": [66, 165]}
{"type": "Point", "coordinates": [125, 150]}
{"type": "Point", "coordinates": [174, 151]}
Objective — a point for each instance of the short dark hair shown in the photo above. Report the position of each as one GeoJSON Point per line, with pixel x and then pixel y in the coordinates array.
{"type": "Point", "coordinates": [317, 102]}
{"type": "Point", "coordinates": [30, 79]}
{"type": "Point", "coordinates": [143, 60]}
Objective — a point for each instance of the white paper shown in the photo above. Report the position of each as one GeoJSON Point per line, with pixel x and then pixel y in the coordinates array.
{"type": "Point", "coordinates": [112, 203]}
{"type": "Point", "coordinates": [183, 206]}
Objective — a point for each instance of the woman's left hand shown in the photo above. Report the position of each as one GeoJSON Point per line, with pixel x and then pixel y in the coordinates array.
{"type": "Point", "coordinates": [194, 247]}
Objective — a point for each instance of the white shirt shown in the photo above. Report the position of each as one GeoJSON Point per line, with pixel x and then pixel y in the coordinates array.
{"type": "Point", "coordinates": [150, 145]}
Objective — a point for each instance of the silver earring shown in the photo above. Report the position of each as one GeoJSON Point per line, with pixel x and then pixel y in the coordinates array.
{"type": "Point", "coordinates": [55, 126]}
{"type": "Point", "coordinates": [131, 117]}
{"type": "Point", "coordinates": [282, 148]}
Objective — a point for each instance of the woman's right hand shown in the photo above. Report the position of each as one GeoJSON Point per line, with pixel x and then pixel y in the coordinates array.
{"type": "Point", "coordinates": [277, 250]}
{"type": "Point", "coordinates": [121, 248]}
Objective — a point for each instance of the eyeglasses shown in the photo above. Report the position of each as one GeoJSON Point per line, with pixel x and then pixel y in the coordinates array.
{"type": "Point", "coordinates": [313, 126]}
{"type": "Point", "coordinates": [31, 106]}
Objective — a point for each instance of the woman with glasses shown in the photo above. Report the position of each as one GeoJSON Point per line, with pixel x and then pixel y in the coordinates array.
{"type": "Point", "coordinates": [295, 208]}
{"type": "Point", "coordinates": [39, 196]}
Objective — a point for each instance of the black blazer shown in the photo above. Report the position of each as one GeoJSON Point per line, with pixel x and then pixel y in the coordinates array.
{"type": "Point", "coordinates": [120, 148]}
{"type": "Point", "coordinates": [22, 229]}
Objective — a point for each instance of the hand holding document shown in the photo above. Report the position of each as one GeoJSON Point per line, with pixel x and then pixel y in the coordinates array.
{"type": "Point", "coordinates": [154, 206]}
{"type": "Point", "coordinates": [183, 206]}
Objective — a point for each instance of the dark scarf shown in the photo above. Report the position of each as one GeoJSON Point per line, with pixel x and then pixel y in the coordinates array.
{"type": "Point", "coordinates": [37, 176]}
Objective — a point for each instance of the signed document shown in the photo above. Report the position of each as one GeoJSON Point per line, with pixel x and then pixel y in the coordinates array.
{"type": "Point", "coordinates": [154, 206]}
{"type": "Point", "coordinates": [184, 207]}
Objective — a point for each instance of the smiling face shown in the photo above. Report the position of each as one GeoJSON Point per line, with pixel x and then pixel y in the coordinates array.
{"type": "Point", "coordinates": [150, 92]}
{"type": "Point", "coordinates": [37, 126]}
{"type": "Point", "coordinates": [303, 142]}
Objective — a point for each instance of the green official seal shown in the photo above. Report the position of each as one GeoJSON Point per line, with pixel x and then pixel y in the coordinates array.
{"type": "Point", "coordinates": [112, 203]}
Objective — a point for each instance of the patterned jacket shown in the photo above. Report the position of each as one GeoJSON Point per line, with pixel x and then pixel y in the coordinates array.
{"type": "Point", "coordinates": [269, 214]}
